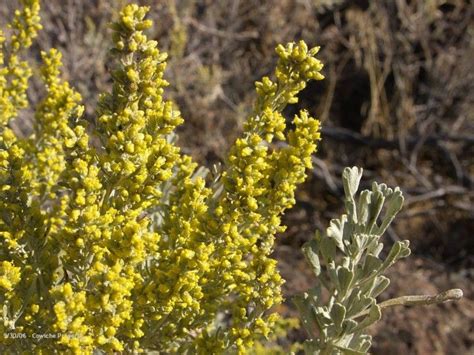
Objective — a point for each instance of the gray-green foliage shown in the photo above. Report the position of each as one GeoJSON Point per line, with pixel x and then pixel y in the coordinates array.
{"type": "Point", "coordinates": [349, 266]}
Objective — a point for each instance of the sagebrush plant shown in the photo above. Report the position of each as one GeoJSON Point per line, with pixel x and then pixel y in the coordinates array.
{"type": "Point", "coordinates": [111, 238]}
{"type": "Point", "coordinates": [349, 265]}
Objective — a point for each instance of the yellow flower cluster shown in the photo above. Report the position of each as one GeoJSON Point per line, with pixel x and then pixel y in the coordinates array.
{"type": "Point", "coordinates": [15, 177]}
{"type": "Point", "coordinates": [14, 72]}
{"type": "Point", "coordinates": [259, 184]}
{"type": "Point", "coordinates": [10, 275]}
{"type": "Point", "coordinates": [113, 238]}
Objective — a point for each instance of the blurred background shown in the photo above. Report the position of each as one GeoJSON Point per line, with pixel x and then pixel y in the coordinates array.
{"type": "Point", "coordinates": [398, 100]}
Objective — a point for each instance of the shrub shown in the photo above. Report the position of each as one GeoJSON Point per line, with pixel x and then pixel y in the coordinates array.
{"type": "Point", "coordinates": [349, 265]}
{"type": "Point", "coordinates": [112, 239]}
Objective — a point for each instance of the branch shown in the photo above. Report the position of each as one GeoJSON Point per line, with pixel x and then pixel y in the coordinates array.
{"type": "Point", "coordinates": [416, 300]}
{"type": "Point", "coordinates": [245, 35]}
{"type": "Point", "coordinates": [343, 134]}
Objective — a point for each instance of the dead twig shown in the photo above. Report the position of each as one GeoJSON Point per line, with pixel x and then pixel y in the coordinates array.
{"type": "Point", "coordinates": [241, 36]}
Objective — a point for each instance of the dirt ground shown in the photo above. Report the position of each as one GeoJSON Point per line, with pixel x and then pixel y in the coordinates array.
{"type": "Point", "coordinates": [398, 100]}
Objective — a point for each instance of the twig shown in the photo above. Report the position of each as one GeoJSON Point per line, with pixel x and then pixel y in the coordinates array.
{"type": "Point", "coordinates": [343, 134]}
{"type": "Point", "coordinates": [416, 300]}
{"type": "Point", "coordinates": [245, 35]}
{"type": "Point", "coordinates": [334, 186]}
{"type": "Point", "coordinates": [443, 191]}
